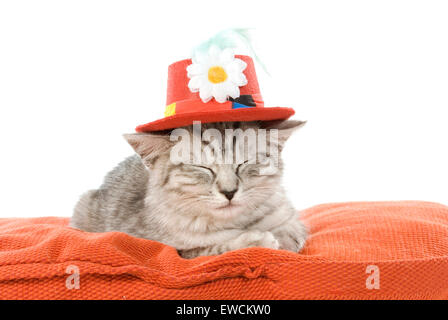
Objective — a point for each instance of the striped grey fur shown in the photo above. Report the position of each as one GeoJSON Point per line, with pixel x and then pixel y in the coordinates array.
{"type": "Point", "coordinates": [186, 206]}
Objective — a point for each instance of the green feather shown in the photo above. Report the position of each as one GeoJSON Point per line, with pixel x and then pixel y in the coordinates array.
{"type": "Point", "coordinates": [230, 38]}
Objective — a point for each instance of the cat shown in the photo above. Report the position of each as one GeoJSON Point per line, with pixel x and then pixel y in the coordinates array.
{"type": "Point", "coordinates": [197, 209]}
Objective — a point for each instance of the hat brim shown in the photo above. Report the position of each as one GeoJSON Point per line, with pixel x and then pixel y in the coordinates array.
{"type": "Point", "coordinates": [242, 114]}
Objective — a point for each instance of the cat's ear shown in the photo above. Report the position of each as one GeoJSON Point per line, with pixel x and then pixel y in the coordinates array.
{"type": "Point", "coordinates": [148, 146]}
{"type": "Point", "coordinates": [285, 128]}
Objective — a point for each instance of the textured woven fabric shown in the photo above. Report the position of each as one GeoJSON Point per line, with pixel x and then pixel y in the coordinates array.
{"type": "Point", "coordinates": [406, 241]}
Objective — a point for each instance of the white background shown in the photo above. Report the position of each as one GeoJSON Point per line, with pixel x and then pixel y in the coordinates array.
{"type": "Point", "coordinates": [371, 78]}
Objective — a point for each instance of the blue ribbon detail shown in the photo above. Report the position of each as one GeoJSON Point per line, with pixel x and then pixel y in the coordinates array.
{"type": "Point", "coordinates": [236, 105]}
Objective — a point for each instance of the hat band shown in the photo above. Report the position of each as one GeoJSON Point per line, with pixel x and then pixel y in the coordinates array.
{"type": "Point", "coordinates": [196, 105]}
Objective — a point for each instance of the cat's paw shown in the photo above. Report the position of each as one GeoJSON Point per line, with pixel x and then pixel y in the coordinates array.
{"type": "Point", "coordinates": [255, 238]}
{"type": "Point", "coordinates": [292, 236]}
{"type": "Point", "coordinates": [252, 238]}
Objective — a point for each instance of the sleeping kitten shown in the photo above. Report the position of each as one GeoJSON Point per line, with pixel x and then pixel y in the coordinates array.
{"type": "Point", "coordinates": [204, 209]}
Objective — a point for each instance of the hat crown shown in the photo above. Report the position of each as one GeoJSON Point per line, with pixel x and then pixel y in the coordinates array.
{"type": "Point", "coordinates": [177, 88]}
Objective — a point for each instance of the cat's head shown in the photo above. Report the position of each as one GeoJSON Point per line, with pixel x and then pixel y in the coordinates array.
{"type": "Point", "coordinates": [219, 170]}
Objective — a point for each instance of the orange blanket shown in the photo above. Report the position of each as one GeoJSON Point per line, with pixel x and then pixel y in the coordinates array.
{"type": "Point", "coordinates": [386, 250]}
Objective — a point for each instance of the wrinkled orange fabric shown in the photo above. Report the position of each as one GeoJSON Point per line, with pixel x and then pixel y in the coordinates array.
{"type": "Point", "coordinates": [406, 241]}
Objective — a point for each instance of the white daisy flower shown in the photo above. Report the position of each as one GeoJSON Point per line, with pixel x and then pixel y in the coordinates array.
{"type": "Point", "coordinates": [216, 74]}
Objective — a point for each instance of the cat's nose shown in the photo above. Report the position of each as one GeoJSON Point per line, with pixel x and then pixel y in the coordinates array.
{"type": "Point", "coordinates": [229, 194]}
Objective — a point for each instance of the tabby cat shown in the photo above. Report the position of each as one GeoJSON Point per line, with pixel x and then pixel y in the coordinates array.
{"type": "Point", "coordinates": [199, 209]}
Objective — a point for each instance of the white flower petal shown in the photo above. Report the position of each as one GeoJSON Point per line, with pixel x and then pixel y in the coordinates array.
{"type": "Point", "coordinates": [232, 90]}
{"type": "Point", "coordinates": [219, 92]}
{"type": "Point", "coordinates": [236, 65]}
{"type": "Point", "coordinates": [200, 57]}
{"type": "Point", "coordinates": [195, 69]}
{"type": "Point", "coordinates": [196, 83]}
{"type": "Point", "coordinates": [226, 56]}
{"type": "Point", "coordinates": [214, 52]}
{"type": "Point", "coordinates": [238, 79]}
{"type": "Point", "coordinates": [206, 92]}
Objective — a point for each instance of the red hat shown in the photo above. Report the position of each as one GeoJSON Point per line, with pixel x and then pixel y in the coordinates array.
{"type": "Point", "coordinates": [219, 87]}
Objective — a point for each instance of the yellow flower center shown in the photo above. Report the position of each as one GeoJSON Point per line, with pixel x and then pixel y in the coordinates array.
{"type": "Point", "coordinates": [217, 74]}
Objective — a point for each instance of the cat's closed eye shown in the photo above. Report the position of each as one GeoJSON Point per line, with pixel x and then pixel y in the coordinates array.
{"type": "Point", "coordinates": [200, 172]}
{"type": "Point", "coordinates": [263, 165]}
{"type": "Point", "coordinates": [248, 168]}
